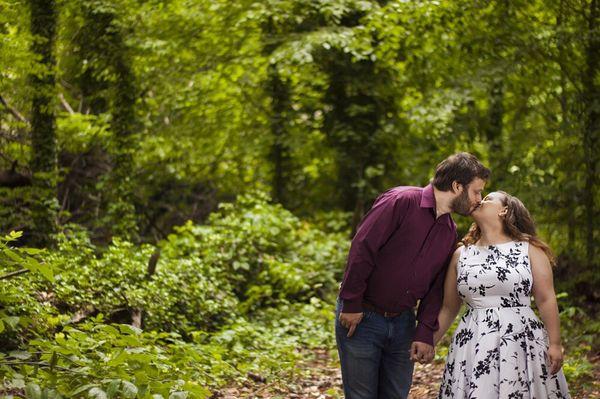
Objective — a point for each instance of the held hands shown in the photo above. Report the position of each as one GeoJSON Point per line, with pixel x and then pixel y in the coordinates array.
{"type": "Point", "coordinates": [350, 321]}
{"type": "Point", "coordinates": [555, 358]}
{"type": "Point", "coordinates": [421, 352]}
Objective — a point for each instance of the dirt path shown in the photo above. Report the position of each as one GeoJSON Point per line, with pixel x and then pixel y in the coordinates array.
{"type": "Point", "coordinates": [320, 378]}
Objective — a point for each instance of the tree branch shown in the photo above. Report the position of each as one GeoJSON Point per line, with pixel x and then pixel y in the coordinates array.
{"type": "Point", "coordinates": [65, 104]}
{"type": "Point", "coordinates": [12, 178]}
{"type": "Point", "coordinates": [13, 137]}
{"type": "Point", "coordinates": [40, 364]}
{"type": "Point", "coordinates": [13, 110]}
{"type": "Point", "coordinates": [13, 274]}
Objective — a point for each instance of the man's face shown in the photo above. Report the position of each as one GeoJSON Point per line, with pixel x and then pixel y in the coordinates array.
{"type": "Point", "coordinates": [469, 198]}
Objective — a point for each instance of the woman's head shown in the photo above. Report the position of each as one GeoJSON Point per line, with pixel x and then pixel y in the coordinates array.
{"type": "Point", "coordinates": [507, 210]}
{"type": "Point", "coordinates": [501, 208]}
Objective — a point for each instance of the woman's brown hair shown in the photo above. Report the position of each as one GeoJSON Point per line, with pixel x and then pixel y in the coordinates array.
{"type": "Point", "coordinates": [518, 225]}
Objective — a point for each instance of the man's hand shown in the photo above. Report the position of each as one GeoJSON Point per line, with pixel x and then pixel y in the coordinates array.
{"type": "Point", "coordinates": [350, 321]}
{"type": "Point", "coordinates": [421, 352]}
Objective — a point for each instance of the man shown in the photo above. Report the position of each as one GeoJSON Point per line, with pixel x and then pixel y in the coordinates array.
{"type": "Point", "coordinates": [398, 257]}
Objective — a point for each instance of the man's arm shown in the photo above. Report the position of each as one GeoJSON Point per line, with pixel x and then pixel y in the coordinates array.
{"type": "Point", "coordinates": [374, 231]}
{"type": "Point", "coordinates": [429, 308]}
{"type": "Point", "coordinates": [422, 348]}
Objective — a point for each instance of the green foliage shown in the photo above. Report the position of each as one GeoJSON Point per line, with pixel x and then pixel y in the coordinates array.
{"type": "Point", "coordinates": [580, 334]}
{"type": "Point", "coordinates": [105, 281]}
{"type": "Point", "coordinates": [24, 257]}
{"type": "Point", "coordinates": [79, 133]}
{"type": "Point", "coordinates": [166, 109]}
{"type": "Point", "coordinates": [108, 361]}
{"type": "Point", "coordinates": [120, 360]}
{"type": "Point", "coordinates": [20, 312]}
{"type": "Point", "coordinates": [378, 93]}
{"type": "Point", "coordinates": [241, 290]}
{"type": "Point", "coordinates": [269, 254]}
{"type": "Point", "coordinates": [249, 255]}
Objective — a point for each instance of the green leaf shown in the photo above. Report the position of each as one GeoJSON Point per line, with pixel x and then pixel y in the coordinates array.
{"type": "Point", "coordinates": [31, 264]}
{"type": "Point", "coordinates": [17, 383]}
{"type": "Point", "coordinates": [32, 251]}
{"type": "Point", "coordinates": [42, 268]}
{"type": "Point", "coordinates": [12, 321]}
{"type": "Point", "coordinates": [14, 256]}
{"type": "Point", "coordinates": [33, 391]}
{"type": "Point", "coordinates": [113, 388]}
{"type": "Point", "coordinates": [80, 389]}
{"type": "Point", "coordinates": [22, 355]}
{"type": "Point", "coordinates": [97, 393]}
{"type": "Point", "coordinates": [13, 235]}
{"type": "Point", "coordinates": [129, 390]}
{"type": "Point", "coordinates": [129, 329]}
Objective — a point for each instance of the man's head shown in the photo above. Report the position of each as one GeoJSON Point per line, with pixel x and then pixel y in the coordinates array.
{"type": "Point", "coordinates": [464, 176]}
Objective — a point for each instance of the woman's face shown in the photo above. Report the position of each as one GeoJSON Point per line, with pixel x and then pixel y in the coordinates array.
{"type": "Point", "coordinates": [490, 208]}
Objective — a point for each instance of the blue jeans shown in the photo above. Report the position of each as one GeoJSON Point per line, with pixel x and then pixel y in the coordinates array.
{"type": "Point", "coordinates": [376, 359]}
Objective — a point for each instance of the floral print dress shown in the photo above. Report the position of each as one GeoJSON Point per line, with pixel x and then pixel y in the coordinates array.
{"type": "Point", "coordinates": [499, 348]}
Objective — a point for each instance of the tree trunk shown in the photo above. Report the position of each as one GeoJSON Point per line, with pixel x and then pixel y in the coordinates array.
{"type": "Point", "coordinates": [280, 103]}
{"type": "Point", "coordinates": [110, 53]}
{"type": "Point", "coordinates": [43, 136]}
{"type": "Point", "coordinates": [591, 98]}
{"type": "Point", "coordinates": [570, 202]}
{"type": "Point", "coordinates": [92, 48]}
{"type": "Point", "coordinates": [278, 91]}
{"type": "Point", "coordinates": [123, 126]}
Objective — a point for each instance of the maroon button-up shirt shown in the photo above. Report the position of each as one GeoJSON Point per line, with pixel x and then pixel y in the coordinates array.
{"type": "Point", "coordinates": [399, 256]}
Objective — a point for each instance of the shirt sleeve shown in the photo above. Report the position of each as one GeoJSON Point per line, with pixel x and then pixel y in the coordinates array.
{"type": "Point", "coordinates": [374, 231]}
{"type": "Point", "coordinates": [429, 307]}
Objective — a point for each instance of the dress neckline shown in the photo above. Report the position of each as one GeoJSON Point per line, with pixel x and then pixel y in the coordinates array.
{"type": "Point", "coordinates": [495, 245]}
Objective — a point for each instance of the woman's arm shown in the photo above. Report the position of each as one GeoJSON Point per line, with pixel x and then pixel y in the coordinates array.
{"type": "Point", "coordinates": [545, 299]}
{"type": "Point", "coordinates": [452, 301]}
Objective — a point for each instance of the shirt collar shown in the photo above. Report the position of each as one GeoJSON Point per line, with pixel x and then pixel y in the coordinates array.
{"type": "Point", "coordinates": [428, 198]}
{"type": "Point", "coordinates": [428, 201]}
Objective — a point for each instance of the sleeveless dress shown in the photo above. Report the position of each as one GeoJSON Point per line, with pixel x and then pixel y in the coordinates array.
{"type": "Point", "coordinates": [499, 348]}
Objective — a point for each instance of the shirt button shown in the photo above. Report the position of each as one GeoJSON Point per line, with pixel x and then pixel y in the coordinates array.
{"type": "Point", "coordinates": [408, 291]}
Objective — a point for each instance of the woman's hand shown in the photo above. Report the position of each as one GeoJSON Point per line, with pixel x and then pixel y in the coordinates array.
{"type": "Point", "coordinates": [555, 357]}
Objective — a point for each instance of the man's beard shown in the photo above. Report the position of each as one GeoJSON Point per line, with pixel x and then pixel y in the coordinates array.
{"type": "Point", "coordinates": [461, 204]}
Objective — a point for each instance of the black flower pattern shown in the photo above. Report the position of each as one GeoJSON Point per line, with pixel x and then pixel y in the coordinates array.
{"type": "Point", "coordinates": [499, 348]}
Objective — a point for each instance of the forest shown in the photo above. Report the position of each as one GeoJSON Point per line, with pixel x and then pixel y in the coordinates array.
{"type": "Point", "coordinates": [180, 180]}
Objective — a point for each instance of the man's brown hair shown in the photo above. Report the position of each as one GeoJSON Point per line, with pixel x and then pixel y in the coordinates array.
{"type": "Point", "coordinates": [461, 167]}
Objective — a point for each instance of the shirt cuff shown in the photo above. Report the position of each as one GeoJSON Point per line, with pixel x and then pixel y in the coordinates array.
{"type": "Point", "coordinates": [423, 334]}
{"type": "Point", "coordinates": [351, 306]}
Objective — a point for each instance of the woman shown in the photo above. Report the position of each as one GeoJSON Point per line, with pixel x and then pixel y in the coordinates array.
{"type": "Point", "coordinates": [500, 348]}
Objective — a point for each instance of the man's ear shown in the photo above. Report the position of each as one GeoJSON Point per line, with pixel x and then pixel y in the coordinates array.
{"type": "Point", "coordinates": [457, 187]}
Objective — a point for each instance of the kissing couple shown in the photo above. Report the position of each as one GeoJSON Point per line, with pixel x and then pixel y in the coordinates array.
{"type": "Point", "coordinates": [406, 280]}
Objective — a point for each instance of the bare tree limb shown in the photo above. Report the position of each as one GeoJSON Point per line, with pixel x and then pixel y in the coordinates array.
{"type": "Point", "coordinates": [152, 263]}
{"type": "Point", "coordinates": [13, 110]}
{"type": "Point", "coordinates": [65, 104]}
{"type": "Point", "coordinates": [137, 314]}
{"type": "Point", "coordinates": [12, 178]}
{"type": "Point", "coordinates": [39, 364]}
{"type": "Point", "coordinates": [13, 137]}
{"type": "Point", "coordinates": [82, 314]}
{"type": "Point", "coordinates": [13, 274]}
